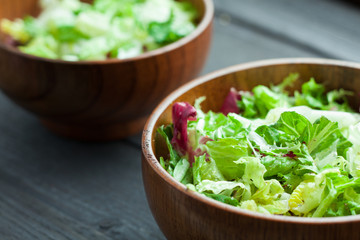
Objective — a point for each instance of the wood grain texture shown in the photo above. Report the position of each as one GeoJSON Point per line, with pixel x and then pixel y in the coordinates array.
{"type": "Point", "coordinates": [100, 100]}
{"type": "Point", "coordinates": [183, 214]}
{"type": "Point", "coordinates": [56, 189]}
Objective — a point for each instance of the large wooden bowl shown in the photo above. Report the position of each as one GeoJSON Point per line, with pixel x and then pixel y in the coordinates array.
{"type": "Point", "coordinates": [183, 214]}
{"type": "Point", "coordinates": [99, 100]}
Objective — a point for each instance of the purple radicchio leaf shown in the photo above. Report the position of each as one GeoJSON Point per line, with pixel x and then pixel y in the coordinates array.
{"type": "Point", "coordinates": [198, 151]}
{"type": "Point", "coordinates": [10, 41]}
{"type": "Point", "coordinates": [230, 103]}
{"type": "Point", "coordinates": [181, 113]}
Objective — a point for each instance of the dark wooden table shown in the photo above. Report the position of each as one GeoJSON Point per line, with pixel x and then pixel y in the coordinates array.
{"type": "Point", "coordinates": [54, 188]}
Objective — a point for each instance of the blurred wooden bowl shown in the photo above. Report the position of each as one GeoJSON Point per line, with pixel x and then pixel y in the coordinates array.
{"type": "Point", "coordinates": [100, 100]}
{"type": "Point", "coordinates": [184, 214]}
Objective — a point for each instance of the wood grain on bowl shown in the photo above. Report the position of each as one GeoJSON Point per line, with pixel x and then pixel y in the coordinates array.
{"type": "Point", "coordinates": [100, 100]}
{"type": "Point", "coordinates": [183, 214]}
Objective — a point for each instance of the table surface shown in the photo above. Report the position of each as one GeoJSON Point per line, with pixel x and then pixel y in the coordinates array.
{"type": "Point", "coordinates": [55, 188]}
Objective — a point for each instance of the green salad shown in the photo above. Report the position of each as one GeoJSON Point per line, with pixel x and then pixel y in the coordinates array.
{"type": "Point", "coordinates": [269, 151]}
{"type": "Point", "coordinates": [72, 30]}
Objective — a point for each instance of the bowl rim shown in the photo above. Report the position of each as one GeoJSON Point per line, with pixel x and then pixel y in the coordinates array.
{"type": "Point", "coordinates": [150, 158]}
{"type": "Point", "coordinates": [205, 22]}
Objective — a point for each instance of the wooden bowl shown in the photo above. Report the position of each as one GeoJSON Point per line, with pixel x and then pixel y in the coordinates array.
{"type": "Point", "coordinates": [100, 100]}
{"type": "Point", "coordinates": [184, 214]}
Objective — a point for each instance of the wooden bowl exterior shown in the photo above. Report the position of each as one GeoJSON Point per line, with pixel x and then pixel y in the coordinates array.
{"type": "Point", "coordinates": [97, 100]}
{"type": "Point", "coordinates": [183, 214]}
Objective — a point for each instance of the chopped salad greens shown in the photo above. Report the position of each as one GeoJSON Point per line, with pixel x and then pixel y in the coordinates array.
{"type": "Point", "coordinates": [73, 30]}
{"type": "Point", "coordinates": [269, 151]}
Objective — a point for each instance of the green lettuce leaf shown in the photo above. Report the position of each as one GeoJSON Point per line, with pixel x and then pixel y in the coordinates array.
{"type": "Point", "coordinates": [322, 134]}
{"type": "Point", "coordinates": [222, 198]}
{"type": "Point", "coordinates": [271, 196]}
{"type": "Point", "coordinates": [254, 171]}
{"type": "Point", "coordinates": [217, 126]}
{"type": "Point", "coordinates": [336, 184]}
{"type": "Point", "coordinates": [205, 169]}
{"type": "Point", "coordinates": [225, 152]}
{"type": "Point", "coordinates": [42, 46]}
{"type": "Point", "coordinates": [289, 128]}
{"type": "Point", "coordinates": [247, 105]}
{"type": "Point", "coordinates": [266, 99]}
{"type": "Point", "coordinates": [353, 157]}
{"type": "Point", "coordinates": [224, 189]}
{"type": "Point", "coordinates": [182, 171]}
{"type": "Point", "coordinates": [347, 204]}
{"type": "Point", "coordinates": [313, 95]}
{"type": "Point", "coordinates": [174, 158]}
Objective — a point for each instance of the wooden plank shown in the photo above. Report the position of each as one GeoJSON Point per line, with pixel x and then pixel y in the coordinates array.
{"type": "Point", "coordinates": [329, 28]}
{"type": "Point", "coordinates": [54, 188]}
{"type": "Point", "coordinates": [233, 44]}
{"type": "Point", "coordinates": [35, 223]}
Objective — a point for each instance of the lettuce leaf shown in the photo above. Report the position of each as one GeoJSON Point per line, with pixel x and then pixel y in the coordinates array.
{"type": "Point", "coordinates": [182, 171]}
{"type": "Point", "coordinates": [266, 99]}
{"type": "Point", "coordinates": [217, 126]}
{"type": "Point", "coordinates": [173, 159]}
{"type": "Point", "coordinates": [205, 169]}
{"type": "Point", "coordinates": [336, 184]}
{"type": "Point", "coordinates": [271, 196]}
{"type": "Point", "coordinates": [262, 99]}
{"type": "Point", "coordinates": [289, 127]}
{"type": "Point", "coordinates": [313, 95]}
{"type": "Point", "coordinates": [225, 152]}
{"type": "Point", "coordinates": [223, 198]}
{"type": "Point", "coordinates": [322, 134]}
{"type": "Point", "coordinates": [253, 172]}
